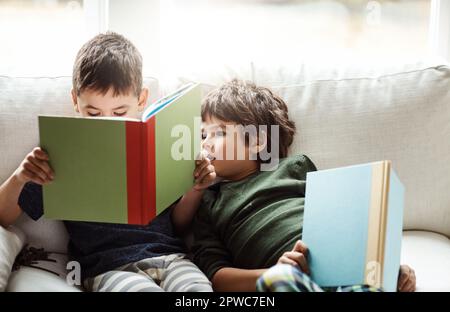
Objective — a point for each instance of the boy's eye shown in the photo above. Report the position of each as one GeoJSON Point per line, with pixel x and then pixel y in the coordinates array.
{"type": "Point", "coordinates": [93, 114]}
{"type": "Point", "coordinates": [119, 114]}
{"type": "Point", "coordinates": [220, 133]}
{"type": "Point", "coordinates": [203, 136]}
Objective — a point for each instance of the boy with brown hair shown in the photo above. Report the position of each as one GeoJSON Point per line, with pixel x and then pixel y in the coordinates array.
{"type": "Point", "coordinates": [252, 219]}
{"type": "Point", "coordinates": [107, 82]}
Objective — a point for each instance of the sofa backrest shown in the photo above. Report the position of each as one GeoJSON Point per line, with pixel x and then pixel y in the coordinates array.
{"type": "Point", "coordinates": [353, 115]}
{"type": "Point", "coordinates": [343, 115]}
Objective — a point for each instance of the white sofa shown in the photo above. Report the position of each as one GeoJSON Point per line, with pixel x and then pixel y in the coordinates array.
{"type": "Point", "coordinates": [344, 116]}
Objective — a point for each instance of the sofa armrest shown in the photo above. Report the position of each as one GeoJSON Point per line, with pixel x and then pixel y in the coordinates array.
{"type": "Point", "coordinates": [12, 239]}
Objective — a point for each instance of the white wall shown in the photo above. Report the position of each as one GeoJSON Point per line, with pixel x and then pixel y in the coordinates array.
{"type": "Point", "coordinates": [439, 35]}
{"type": "Point", "coordinates": [138, 20]}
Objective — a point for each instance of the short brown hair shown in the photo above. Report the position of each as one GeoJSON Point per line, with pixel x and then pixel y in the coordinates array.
{"type": "Point", "coordinates": [244, 103]}
{"type": "Point", "coordinates": [108, 61]}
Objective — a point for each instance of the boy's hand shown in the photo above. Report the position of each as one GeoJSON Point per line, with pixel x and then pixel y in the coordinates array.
{"type": "Point", "coordinates": [406, 279]}
{"type": "Point", "coordinates": [35, 168]}
{"type": "Point", "coordinates": [297, 257]}
{"type": "Point", "coordinates": [204, 173]}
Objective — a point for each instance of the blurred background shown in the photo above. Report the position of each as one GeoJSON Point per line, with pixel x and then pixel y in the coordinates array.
{"type": "Point", "coordinates": [42, 37]}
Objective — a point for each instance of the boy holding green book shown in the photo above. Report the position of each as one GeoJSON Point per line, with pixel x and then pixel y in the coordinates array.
{"type": "Point", "coordinates": [107, 82]}
{"type": "Point", "coordinates": [251, 220]}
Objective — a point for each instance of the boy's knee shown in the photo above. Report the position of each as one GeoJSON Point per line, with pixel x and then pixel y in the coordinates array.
{"type": "Point", "coordinates": [198, 287]}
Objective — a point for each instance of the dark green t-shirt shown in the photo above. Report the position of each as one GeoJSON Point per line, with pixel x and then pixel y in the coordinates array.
{"type": "Point", "coordinates": [250, 223]}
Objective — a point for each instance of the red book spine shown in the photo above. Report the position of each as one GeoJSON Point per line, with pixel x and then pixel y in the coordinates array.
{"type": "Point", "coordinates": [134, 168]}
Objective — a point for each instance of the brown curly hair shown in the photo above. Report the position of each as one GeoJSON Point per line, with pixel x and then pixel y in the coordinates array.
{"type": "Point", "coordinates": [244, 103]}
{"type": "Point", "coordinates": [108, 61]}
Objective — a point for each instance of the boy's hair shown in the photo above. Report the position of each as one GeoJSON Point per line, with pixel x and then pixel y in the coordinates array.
{"type": "Point", "coordinates": [108, 61]}
{"type": "Point", "coordinates": [244, 103]}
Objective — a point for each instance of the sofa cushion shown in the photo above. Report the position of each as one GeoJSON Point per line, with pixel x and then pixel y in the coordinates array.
{"type": "Point", "coordinates": [426, 252]}
{"type": "Point", "coordinates": [29, 279]}
{"type": "Point", "coordinates": [44, 233]}
{"type": "Point", "coordinates": [429, 255]}
{"type": "Point", "coordinates": [355, 114]}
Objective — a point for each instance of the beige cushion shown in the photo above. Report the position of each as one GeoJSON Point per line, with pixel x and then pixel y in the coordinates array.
{"type": "Point", "coordinates": [355, 114]}
{"type": "Point", "coordinates": [28, 279]}
{"type": "Point", "coordinates": [429, 255]}
{"type": "Point", "coordinates": [44, 233]}
{"type": "Point", "coordinates": [21, 101]}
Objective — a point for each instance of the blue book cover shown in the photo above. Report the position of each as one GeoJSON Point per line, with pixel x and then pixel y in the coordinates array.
{"type": "Point", "coordinates": [353, 225]}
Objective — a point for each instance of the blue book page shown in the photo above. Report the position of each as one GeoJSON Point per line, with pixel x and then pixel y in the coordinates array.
{"type": "Point", "coordinates": [335, 226]}
{"type": "Point", "coordinates": [163, 102]}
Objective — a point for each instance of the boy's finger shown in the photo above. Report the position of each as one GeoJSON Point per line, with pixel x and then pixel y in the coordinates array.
{"type": "Point", "coordinates": [413, 280]}
{"type": "Point", "coordinates": [405, 268]}
{"type": "Point", "coordinates": [286, 260]}
{"type": "Point", "coordinates": [206, 171]}
{"type": "Point", "coordinates": [38, 180]}
{"type": "Point", "coordinates": [28, 175]}
{"type": "Point", "coordinates": [301, 247]}
{"type": "Point", "coordinates": [201, 157]}
{"type": "Point", "coordinates": [34, 177]}
{"type": "Point", "coordinates": [40, 154]}
{"type": "Point", "coordinates": [201, 162]}
{"type": "Point", "coordinates": [303, 263]}
{"type": "Point", "coordinates": [210, 178]}
{"type": "Point", "coordinates": [201, 167]}
{"type": "Point", "coordinates": [35, 170]}
{"type": "Point", "coordinates": [403, 278]}
{"type": "Point", "coordinates": [43, 165]}
{"type": "Point", "coordinates": [300, 259]}
{"type": "Point", "coordinates": [207, 181]}
{"type": "Point", "coordinates": [409, 286]}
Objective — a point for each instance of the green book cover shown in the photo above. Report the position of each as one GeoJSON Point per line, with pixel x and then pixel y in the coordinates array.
{"type": "Point", "coordinates": [121, 170]}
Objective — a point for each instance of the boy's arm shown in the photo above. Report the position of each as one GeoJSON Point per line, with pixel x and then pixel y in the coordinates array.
{"type": "Point", "coordinates": [34, 168]}
{"type": "Point", "coordinates": [9, 194]}
{"type": "Point", "coordinates": [232, 279]}
{"type": "Point", "coordinates": [184, 211]}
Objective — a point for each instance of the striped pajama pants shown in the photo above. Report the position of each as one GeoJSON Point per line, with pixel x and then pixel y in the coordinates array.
{"type": "Point", "coordinates": [172, 272]}
{"type": "Point", "coordinates": [287, 278]}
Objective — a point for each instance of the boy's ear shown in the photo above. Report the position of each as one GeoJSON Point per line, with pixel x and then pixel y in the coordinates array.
{"type": "Point", "coordinates": [260, 143]}
{"type": "Point", "coordinates": [143, 97]}
{"type": "Point", "coordinates": [75, 100]}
